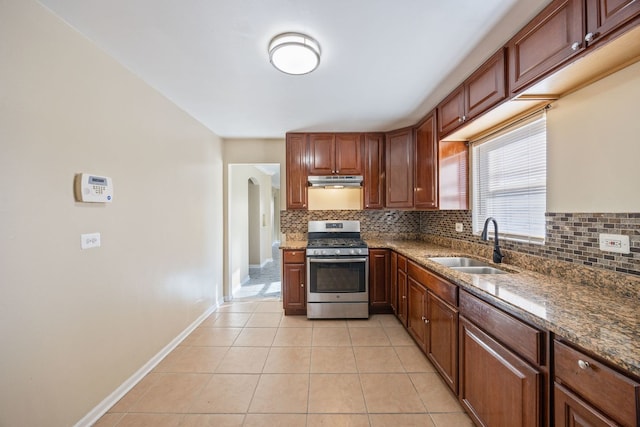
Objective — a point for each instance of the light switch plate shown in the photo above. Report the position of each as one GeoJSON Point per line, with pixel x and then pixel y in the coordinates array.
{"type": "Point", "coordinates": [91, 240]}
{"type": "Point", "coordinates": [614, 243]}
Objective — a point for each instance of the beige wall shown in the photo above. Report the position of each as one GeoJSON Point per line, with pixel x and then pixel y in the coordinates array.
{"type": "Point", "coordinates": [241, 241]}
{"type": "Point", "coordinates": [74, 324]}
{"type": "Point", "coordinates": [593, 147]}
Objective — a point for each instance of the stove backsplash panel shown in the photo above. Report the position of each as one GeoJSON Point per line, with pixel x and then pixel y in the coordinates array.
{"type": "Point", "coordinates": [376, 224]}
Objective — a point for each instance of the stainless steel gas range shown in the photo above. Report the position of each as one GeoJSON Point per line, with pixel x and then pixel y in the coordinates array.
{"type": "Point", "coordinates": [337, 271]}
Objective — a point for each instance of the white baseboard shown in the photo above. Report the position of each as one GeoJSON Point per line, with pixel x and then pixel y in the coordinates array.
{"type": "Point", "coordinates": [102, 408]}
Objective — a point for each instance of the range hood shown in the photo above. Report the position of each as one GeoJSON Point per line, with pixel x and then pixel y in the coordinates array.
{"type": "Point", "coordinates": [336, 181]}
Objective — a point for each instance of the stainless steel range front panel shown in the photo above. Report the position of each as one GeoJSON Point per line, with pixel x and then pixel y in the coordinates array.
{"type": "Point", "coordinates": [343, 310]}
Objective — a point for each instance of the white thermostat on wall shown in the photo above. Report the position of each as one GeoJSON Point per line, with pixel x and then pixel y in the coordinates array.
{"type": "Point", "coordinates": [93, 188]}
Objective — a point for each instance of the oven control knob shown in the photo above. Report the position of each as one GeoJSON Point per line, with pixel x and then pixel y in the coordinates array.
{"type": "Point", "coordinates": [323, 252]}
{"type": "Point", "coordinates": [337, 252]}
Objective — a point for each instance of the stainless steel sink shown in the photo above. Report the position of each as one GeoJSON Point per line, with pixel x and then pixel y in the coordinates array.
{"type": "Point", "coordinates": [458, 261]}
{"type": "Point", "coordinates": [479, 270]}
{"type": "Point", "coordinates": [467, 265]}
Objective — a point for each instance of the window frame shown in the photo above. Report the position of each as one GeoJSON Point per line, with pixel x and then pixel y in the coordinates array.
{"type": "Point", "coordinates": [501, 139]}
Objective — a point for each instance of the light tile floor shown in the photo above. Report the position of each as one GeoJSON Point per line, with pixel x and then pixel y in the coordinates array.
{"type": "Point", "coordinates": [248, 365]}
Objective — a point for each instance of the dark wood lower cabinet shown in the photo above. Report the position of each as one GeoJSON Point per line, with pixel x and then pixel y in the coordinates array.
{"type": "Point", "coordinates": [442, 339]}
{"type": "Point", "coordinates": [401, 279]}
{"type": "Point", "coordinates": [379, 283]}
{"type": "Point", "coordinates": [416, 320]}
{"type": "Point", "coordinates": [294, 291]}
{"type": "Point", "coordinates": [571, 411]}
{"type": "Point", "coordinates": [497, 388]}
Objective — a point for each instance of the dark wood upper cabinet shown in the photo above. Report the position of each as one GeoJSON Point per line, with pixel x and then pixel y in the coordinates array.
{"type": "Point", "coordinates": [548, 41]}
{"type": "Point", "coordinates": [604, 17]}
{"type": "Point", "coordinates": [296, 154]}
{"type": "Point", "coordinates": [322, 154]}
{"type": "Point", "coordinates": [331, 154]}
{"type": "Point", "coordinates": [451, 112]}
{"type": "Point", "coordinates": [399, 168]}
{"type": "Point", "coordinates": [426, 164]}
{"type": "Point", "coordinates": [487, 86]}
{"type": "Point", "coordinates": [348, 154]}
{"type": "Point", "coordinates": [481, 91]}
{"type": "Point", "coordinates": [453, 175]}
{"type": "Point", "coordinates": [374, 172]}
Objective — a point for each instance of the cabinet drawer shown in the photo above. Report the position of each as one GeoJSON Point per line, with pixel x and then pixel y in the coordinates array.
{"type": "Point", "coordinates": [520, 337]}
{"type": "Point", "coordinates": [613, 393]}
{"type": "Point", "coordinates": [294, 256]}
{"type": "Point", "coordinates": [445, 290]}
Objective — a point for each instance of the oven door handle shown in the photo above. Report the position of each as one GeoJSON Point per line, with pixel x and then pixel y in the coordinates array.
{"type": "Point", "coordinates": [336, 260]}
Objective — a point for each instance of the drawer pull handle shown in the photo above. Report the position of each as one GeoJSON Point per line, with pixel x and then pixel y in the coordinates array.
{"type": "Point", "coordinates": [583, 365]}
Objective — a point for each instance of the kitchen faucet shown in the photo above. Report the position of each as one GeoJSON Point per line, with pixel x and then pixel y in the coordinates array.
{"type": "Point", "coordinates": [497, 255]}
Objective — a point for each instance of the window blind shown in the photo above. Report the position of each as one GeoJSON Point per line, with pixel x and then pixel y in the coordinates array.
{"type": "Point", "coordinates": [510, 180]}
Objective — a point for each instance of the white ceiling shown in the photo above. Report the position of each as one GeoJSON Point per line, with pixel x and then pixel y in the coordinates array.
{"type": "Point", "coordinates": [384, 62]}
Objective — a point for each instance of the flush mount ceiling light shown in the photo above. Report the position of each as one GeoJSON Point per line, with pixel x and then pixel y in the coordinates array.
{"type": "Point", "coordinates": [294, 53]}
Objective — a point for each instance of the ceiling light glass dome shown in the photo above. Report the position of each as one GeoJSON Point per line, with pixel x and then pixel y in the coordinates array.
{"type": "Point", "coordinates": [294, 53]}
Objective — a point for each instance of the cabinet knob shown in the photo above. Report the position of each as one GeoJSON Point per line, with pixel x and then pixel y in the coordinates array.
{"type": "Point", "coordinates": [575, 46]}
{"type": "Point", "coordinates": [464, 118]}
{"type": "Point", "coordinates": [404, 297]}
{"type": "Point", "coordinates": [583, 364]}
{"type": "Point", "coordinates": [302, 285]}
{"type": "Point", "coordinates": [589, 37]}
{"type": "Point", "coordinates": [460, 119]}
{"type": "Point", "coordinates": [424, 318]}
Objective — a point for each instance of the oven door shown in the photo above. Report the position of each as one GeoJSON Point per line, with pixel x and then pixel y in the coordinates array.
{"type": "Point", "coordinates": [338, 279]}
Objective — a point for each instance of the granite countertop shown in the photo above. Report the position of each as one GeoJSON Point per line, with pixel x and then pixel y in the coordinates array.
{"type": "Point", "coordinates": [599, 319]}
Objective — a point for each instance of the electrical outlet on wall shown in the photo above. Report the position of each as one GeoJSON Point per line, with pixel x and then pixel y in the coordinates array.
{"type": "Point", "coordinates": [459, 227]}
{"type": "Point", "coordinates": [614, 243]}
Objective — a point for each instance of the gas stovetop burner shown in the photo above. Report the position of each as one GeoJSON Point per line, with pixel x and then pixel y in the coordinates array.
{"type": "Point", "coordinates": [336, 243]}
{"type": "Point", "coordinates": [335, 238]}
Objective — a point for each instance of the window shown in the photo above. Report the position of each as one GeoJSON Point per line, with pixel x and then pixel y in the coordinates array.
{"type": "Point", "coordinates": [510, 180]}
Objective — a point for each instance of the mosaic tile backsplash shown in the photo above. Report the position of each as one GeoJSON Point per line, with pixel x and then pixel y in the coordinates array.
{"type": "Point", "coordinates": [570, 237]}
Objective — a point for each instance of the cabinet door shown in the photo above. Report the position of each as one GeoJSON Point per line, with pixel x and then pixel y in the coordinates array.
{"type": "Point", "coordinates": [545, 43]}
{"type": "Point", "coordinates": [348, 156]}
{"type": "Point", "coordinates": [399, 171]}
{"type": "Point", "coordinates": [442, 339]}
{"type": "Point", "coordinates": [374, 171]}
{"type": "Point", "coordinates": [496, 386]}
{"type": "Point", "coordinates": [296, 171]}
{"type": "Point", "coordinates": [451, 112]}
{"type": "Point", "coordinates": [453, 175]}
{"type": "Point", "coordinates": [294, 288]}
{"type": "Point", "coordinates": [402, 297]}
{"type": "Point", "coordinates": [426, 165]}
{"type": "Point", "coordinates": [487, 86]}
{"type": "Point", "coordinates": [606, 16]}
{"type": "Point", "coordinates": [394, 282]}
{"type": "Point", "coordinates": [322, 154]}
{"type": "Point", "coordinates": [379, 286]}
{"type": "Point", "coordinates": [571, 411]}
{"type": "Point", "coordinates": [416, 316]}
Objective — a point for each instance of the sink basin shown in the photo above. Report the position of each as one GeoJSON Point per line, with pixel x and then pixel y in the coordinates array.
{"type": "Point", "coordinates": [479, 270]}
{"type": "Point", "coordinates": [467, 265]}
{"type": "Point", "coordinates": [458, 261]}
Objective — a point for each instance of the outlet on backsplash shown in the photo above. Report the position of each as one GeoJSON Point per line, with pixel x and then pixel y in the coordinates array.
{"type": "Point", "coordinates": [459, 227]}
